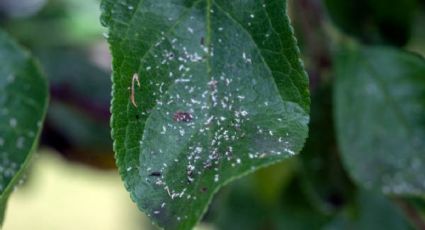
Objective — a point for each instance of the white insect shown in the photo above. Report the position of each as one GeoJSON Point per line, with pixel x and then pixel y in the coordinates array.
{"type": "Point", "coordinates": [133, 80]}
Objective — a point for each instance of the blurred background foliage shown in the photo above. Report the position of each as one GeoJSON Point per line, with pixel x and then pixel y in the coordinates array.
{"type": "Point", "coordinates": [66, 37]}
{"type": "Point", "coordinates": [310, 191]}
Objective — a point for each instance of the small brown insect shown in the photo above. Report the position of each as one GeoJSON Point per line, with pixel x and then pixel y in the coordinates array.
{"type": "Point", "coordinates": [182, 117]}
{"type": "Point", "coordinates": [133, 80]}
{"type": "Point", "coordinates": [156, 174]}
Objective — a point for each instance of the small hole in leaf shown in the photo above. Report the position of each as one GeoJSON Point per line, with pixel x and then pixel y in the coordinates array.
{"type": "Point", "coordinates": [156, 174]}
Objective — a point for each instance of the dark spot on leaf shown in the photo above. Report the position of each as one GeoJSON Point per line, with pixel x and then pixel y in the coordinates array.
{"type": "Point", "coordinates": [156, 174]}
{"type": "Point", "coordinates": [335, 199]}
{"type": "Point", "coordinates": [137, 117]}
{"type": "Point", "coordinates": [182, 117]}
{"type": "Point", "coordinates": [202, 40]}
{"type": "Point", "coordinates": [204, 189]}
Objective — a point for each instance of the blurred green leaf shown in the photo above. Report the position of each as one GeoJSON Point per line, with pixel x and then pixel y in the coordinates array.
{"type": "Point", "coordinates": [242, 206]}
{"type": "Point", "coordinates": [325, 180]}
{"type": "Point", "coordinates": [374, 21]}
{"type": "Point", "coordinates": [23, 103]}
{"type": "Point", "coordinates": [77, 123]}
{"type": "Point", "coordinates": [59, 23]}
{"type": "Point", "coordinates": [80, 90]}
{"type": "Point", "coordinates": [222, 93]}
{"type": "Point", "coordinates": [380, 116]}
{"type": "Point", "coordinates": [370, 212]}
{"type": "Point", "coordinates": [297, 211]}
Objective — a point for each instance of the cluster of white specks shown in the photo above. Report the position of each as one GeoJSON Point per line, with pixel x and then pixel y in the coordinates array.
{"type": "Point", "coordinates": [288, 150]}
{"type": "Point", "coordinates": [398, 184]}
{"type": "Point", "coordinates": [173, 194]}
{"type": "Point", "coordinates": [246, 58]}
{"type": "Point", "coordinates": [199, 107]}
{"type": "Point", "coordinates": [257, 155]}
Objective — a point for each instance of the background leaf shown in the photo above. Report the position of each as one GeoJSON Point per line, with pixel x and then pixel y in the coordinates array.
{"type": "Point", "coordinates": [370, 211]}
{"type": "Point", "coordinates": [374, 21]}
{"type": "Point", "coordinates": [380, 116]}
{"type": "Point", "coordinates": [222, 92]}
{"type": "Point", "coordinates": [23, 102]}
{"type": "Point", "coordinates": [76, 61]}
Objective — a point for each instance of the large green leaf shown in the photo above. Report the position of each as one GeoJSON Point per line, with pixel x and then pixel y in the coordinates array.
{"type": "Point", "coordinates": [380, 115]}
{"type": "Point", "coordinates": [23, 102]}
{"type": "Point", "coordinates": [222, 92]}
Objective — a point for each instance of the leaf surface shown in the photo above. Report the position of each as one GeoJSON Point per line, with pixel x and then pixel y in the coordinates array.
{"type": "Point", "coordinates": [23, 102]}
{"type": "Point", "coordinates": [222, 93]}
{"type": "Point", "coordinates": [380, 116]}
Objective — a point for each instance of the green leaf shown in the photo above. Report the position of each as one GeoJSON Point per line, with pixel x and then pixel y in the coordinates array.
{"type": "Point", "coordinates": [380, 116]}
{"type": "Point", "coordinates": [242, 206]}
{"type": "Point", "coordinates": [222, 93]}
{"type": "Point", "coordinates": [23, 102]}
{"type": "Point", "coordinates": [374, 21]}
{"type": "Point", "coordinates": [370, 211]}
